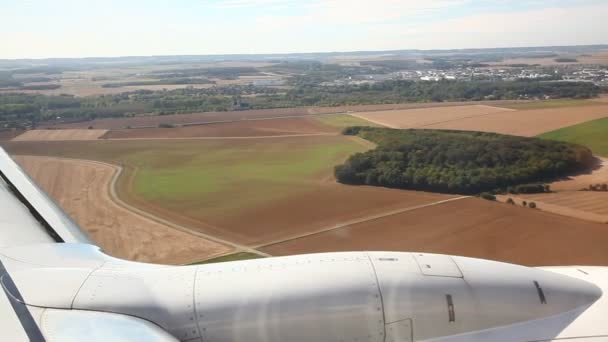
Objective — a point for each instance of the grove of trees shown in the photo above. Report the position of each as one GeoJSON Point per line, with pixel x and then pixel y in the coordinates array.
{"type": "Point", "coordinates": [457, 161]}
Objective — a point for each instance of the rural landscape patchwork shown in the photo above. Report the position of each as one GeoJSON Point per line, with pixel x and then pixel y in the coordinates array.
{"type": "Point", "coordinates": [499, 153]}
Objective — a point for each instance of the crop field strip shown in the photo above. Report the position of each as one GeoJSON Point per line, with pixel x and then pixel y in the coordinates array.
{"type": "Point", "coordinates": [60, 135]}
{"type": "Point", "coordinates": [481, 118]}
{"type": "Point", "coordinates": [470, 227]}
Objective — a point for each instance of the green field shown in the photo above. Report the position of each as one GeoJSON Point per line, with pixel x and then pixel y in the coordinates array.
{"type": "Point", "coordinates": [593, 134]}
{"type": "Point", "coordinates": [547, 104]}
{"type": "Point", "coordinates": [344, 120]}
{"type": "Point", "coordinates": [203, 179]}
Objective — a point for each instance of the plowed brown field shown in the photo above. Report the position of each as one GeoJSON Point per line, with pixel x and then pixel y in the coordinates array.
{"type": "Point", "coordinates": [82, 189]}
{"type": "Point", "coordinates": [470, 227]}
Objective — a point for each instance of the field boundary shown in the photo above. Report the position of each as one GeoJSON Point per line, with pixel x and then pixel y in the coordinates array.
{"type": "Point", "coordinates": [361, 220]}
{"type": "Point", "coordinates": [229, 138]}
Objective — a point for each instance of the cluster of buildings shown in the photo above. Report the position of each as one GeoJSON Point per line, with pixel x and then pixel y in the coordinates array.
{"type": "Point", "coordinates": [570, 73]}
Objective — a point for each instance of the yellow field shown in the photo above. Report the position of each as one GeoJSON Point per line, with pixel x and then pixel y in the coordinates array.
{"type": "Point", "coordinates": [60, 134]}
{"type": "Point", "coordinates": [487, 118]}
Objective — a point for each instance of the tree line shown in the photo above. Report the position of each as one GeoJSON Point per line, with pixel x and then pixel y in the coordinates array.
{"type": "Point", "coordinates": [20, 109]}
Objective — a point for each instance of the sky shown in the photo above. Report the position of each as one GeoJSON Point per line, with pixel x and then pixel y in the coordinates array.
{"type": "Point", "coordinates": [103, 28]}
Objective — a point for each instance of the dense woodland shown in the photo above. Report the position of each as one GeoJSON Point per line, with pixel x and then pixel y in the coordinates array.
{"type": "Point", "coordinates": [457, 161]}
{"type": "Point", "coordinates": [27, 110]}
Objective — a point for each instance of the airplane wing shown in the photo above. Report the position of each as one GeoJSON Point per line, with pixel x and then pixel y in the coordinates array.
{"type": "Point", "coordinates": [32, 227]}
{"type": "Point", "coordinates": [58, 286]}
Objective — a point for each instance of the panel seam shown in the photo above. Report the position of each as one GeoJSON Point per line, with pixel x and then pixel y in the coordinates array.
{"type": "Point", "coordinates": [373, 268]}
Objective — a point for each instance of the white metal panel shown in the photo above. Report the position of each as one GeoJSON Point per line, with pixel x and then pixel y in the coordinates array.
{"type": "Point", "coordinates": [409, 294]}
{"type": "Point", "coordinates": [56, 218]}
{"type": "Point", "coordinates": [331, 297]}
{"type": "Point", "coordinates": [162, 295]}
{"type": "Point", "coordinates": [490, 295]}
{"type": "Point", "coordinates": [17, 225]}
{"type": "Point", "coordinates": [49, 287]}
{"type": "Point", "coordinates": [507, 293]}
{"type": "Point", "coordinates": [437, 265]}
{"type": "Point", "coordinates": [399, 331]}
{"type": "Point", "coordinates": [59, 255]}
{"type": "Point", "coordinates": [593, 321]}
{"type": "Point", "coordinates": [77, 326]}
{"type": "Point", "coordinates": [10, 326]}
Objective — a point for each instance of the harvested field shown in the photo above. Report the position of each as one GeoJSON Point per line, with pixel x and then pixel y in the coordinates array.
{"type": "Point", "coordinates": [289, 126]}
{"type": "Point", "coordinates": [82, 189]}
{"type": "Point", "coordinates": [602, 98]}
{"type": "Point", "coordinates": [208, 117]}
{"type": "Point", "coordinates": [249, 192]}
{"type": "Point", "coordinates": [559, 103]}
{"type": "Point", "coordinates": [581, 181]}
{"type": "Point", "coordinates": [528, 122]}
{"type": "Point", "coordinates": [425, 117]}
{"type": "Point", "coordinates": [567, 199]}
{"type": "Point", "coordinates": [488, 119]}
{"type": "Point", "coordinates": [584, 205]}
{"type": "Point", "coordinates": [470, 227]}
{"type": "Point", "coordinates": [60, 134]}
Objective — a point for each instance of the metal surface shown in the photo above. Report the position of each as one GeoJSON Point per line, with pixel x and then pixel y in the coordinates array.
{"type": "Point", "coordinates": [379, 296]}
{"type": "Point", "coordinates": [77, 326]}
{"type": "Point", "coordinates": [323, 297]}
{"type": "Point", "coordinates": [18, 227]}
{"type": "Point", "coordinates": [50, 216]}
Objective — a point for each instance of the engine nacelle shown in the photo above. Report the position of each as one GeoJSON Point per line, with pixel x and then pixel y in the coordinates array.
{"type": "Point", "coordinates": [375, 296]}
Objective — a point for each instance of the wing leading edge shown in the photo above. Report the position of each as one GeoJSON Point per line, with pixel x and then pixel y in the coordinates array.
{"type": "Point", "coordinates": [30, 215]}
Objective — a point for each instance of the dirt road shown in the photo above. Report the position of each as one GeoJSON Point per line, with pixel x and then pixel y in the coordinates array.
{"type": "Point", "coordinates": [82, 188]}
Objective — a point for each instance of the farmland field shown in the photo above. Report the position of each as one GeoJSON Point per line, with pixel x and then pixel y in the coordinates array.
{"type": "Point", "coordinates": [488, 119]}
{"type": "Point", "coordinates": [471, 227]}
{"type": "Point", "coordinates": [249, 128]}
{"type": "Point", "coordinates": [258, 183]}
{"type": "Point", "coordinates": [426, 117]}
{"type": "Point", "coordinates": [559, 103]}
{"type": "Point", "coordinates": [250, 192]}
{"type": "Point", "coordinates": [586, 205]}
{"type": "Point", "coordinates": [60, 134]}
{"type": "Point", "coordinates": [566, 197]}
{"type": "Point", "coordinates": [593, 134]}
{"type": "Point", "coordinates": [343, 120]}
{"type": "Point", "coordinates": [82, 189]}
{"type": "Point", "coordinates": [255, 114]}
